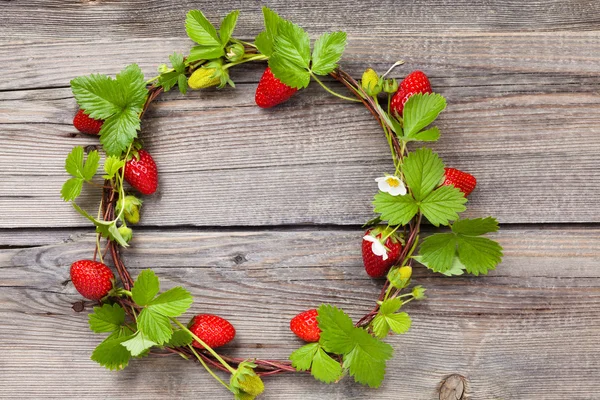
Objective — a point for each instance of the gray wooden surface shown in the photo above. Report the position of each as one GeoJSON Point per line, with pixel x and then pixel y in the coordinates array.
{"type": "Point", "coordinates": [265, 205]}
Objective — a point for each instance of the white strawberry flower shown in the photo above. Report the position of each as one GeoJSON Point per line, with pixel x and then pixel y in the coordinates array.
{"type": "Point", "coordinates": [391, 184]}
{"type": "Point", "coordinates": [376, 246]}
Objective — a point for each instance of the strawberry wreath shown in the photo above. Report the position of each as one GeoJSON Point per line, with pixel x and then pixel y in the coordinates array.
{"type": "Point", "coordinates": [139, 320]}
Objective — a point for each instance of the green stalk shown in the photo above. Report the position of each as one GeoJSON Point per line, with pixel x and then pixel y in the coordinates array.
{"type": "Point", "coordinates": [258, 57]}
{"type": "Point", "coordinates": [210, 371]}
{"type": "Point", "coordinates": [332, 92]}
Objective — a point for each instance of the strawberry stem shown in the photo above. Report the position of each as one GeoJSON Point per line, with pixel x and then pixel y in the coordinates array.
{"type": "Point", "coordinates": [210, 371]}
{"type": "Point", "coordinates": [331, 91]}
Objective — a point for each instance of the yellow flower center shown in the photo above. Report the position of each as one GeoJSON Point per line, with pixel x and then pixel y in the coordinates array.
{"type": "Point", "coordinates": [392, 181]}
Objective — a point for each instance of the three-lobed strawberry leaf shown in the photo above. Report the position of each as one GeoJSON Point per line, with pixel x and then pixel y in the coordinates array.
{"type": "Point", "coordinates": [80, 172]}
{"type": "Point", "coordinates": [462, 249]}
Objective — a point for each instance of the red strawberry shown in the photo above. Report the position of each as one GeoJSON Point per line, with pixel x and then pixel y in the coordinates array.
{"type": "Point", "coordinates": [86, 124]}
{"type": "Point", "coordinates": [398, 100]}
{"type": "Point", "coordinates": [461, 180]}
{"type": "Point", "coordinates": [271, 91]}
{"type": "Point", "coordinates": [142, 174]}
{"type": "Point", "coordinates": [305, 326]}
{"type": "Point", "coordinates": [415, 82]}
{"type": "Point", "coordinates": [93, 280]}
{"type": "Point", "coordinates": [213, 330]}
{"type": "Point", "coordinates": [375, 265]}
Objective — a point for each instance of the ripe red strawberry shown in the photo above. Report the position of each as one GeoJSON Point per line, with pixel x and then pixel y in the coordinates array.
{"type": "Point", "coordinates": [93, 280]}
{"type": "Point", "coordinates": [305, 326]}
{"type": "Point", "coordinates": [415, 82]}
{"type": "Point", "coordinates": [375, 265]}
{"type": "Point", "coordinates": [271, 91]}
{"type": "Point", "coordinates": [142, 174]}
{"type": "Point", "coordinates": [213, 330]}
{"type": "Point", "coordinates": [398, 100]}
{"type": "Point", "coordinates": [461, 180]}
{"type": "Point", "coordinates": [86, 124]}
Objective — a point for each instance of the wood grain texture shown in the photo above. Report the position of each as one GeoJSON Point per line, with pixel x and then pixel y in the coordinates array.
{"type": "Point", "coordinates": [526, 331]}
{"type": "Point", "coordinates": [522, 83]}
{"type": "Point", "coordinates": [223, 161]}
{"type": "Point", "coordinates": [155, 18]}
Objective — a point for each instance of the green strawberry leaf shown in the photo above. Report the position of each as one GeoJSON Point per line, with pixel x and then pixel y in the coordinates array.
{"type": "Point", "coordinates": [266, 39]}
{"type": "Point", "coordinates": [112, 166]}
{"type": "Point", "coordinates": [421, 110]}
{"type": "Point", "coordinates": [302, 358]}
{"type": "Point", "coordinates": [108, 318]}
{"type": "Point", "coordinates": [289, 73]}
{"type": "Point", "coordinates": [111, 354]}
{"type": "Point", "coordinates": [443, 205]}
{"type": "Point", "coordinates": [155, 326]}
{"type": "Point", "coordinates": [312, 357]}
{"type": "Point", "coordinates": [293, 44]}
{"type": "Point", "coordinates": [71, 189]}
{"type": "Point", "coordinates": [180, 338]}
{"type": "Point", "coordinates": [390, 306]}
{"type": "Point", "coordinates": [145, 287]}
{"type": "Point", "coordinates": [119, 130]}
{"type": "Point", "coordinates": [227, 26]}
{"type": "Point", "coordinates": [81, 172]}
{"type": "Point", "coordinates": [462, 249]}
{"type": "Point", "coordinates": [397, 210]}
{"type": "Point", "coordinates": [399, 323]}
{"type": "Point", "coordinates": [172, 303]}
{"type": "Point", "coordinates": [117, 101]}
{"type": "Point", "coordinates": [327, 52]}
{"type": "Point", "coordinates": [423, 170]}
{"type": "Point", "coordinates": [201, 31]}
{"type": "Point", "coordinates": [364, 355]}
{"type": "Point", "coordinates": [324, 368]}
{"type": "Point", "coordinates": [290, 60]}
{"type": "Point", "coordinates": [137, 344]}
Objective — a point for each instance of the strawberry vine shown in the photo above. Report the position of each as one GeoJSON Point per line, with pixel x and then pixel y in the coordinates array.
{"type": "Point", "coordinates": [139, 320]}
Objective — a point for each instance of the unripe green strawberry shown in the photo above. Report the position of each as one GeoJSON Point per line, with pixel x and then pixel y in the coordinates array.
{"type": "Point", "coordinates": [132, 208]}
{"type": "Point", "coordinates": [245, 383]}
{"type": "Point", "coordinates": [93, 280]}
{"type": "Point", "coordinates": [203, 78]}
{"type": "Point", "coordinates": [371, 83]}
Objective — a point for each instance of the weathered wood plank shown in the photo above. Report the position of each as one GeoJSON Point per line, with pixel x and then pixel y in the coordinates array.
{"type": "Point", "coordinates": [526, 331]}
{"type": "Point", "coordinates": [141, 18]}
{"type": "Point", "coordinates": [314, 159]}
{"type": "Point", "coordinates": [512, 58]}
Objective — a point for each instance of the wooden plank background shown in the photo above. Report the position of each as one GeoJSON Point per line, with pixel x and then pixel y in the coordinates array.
{"type": "Point", "coordinates": [266, 204]}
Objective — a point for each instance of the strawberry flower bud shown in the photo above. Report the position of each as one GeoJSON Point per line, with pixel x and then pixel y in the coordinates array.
{"type": "Point", "coordinates": [235, 52]}
{"type": "Point", "coordinates": [390, 86]}
{"type": "Point", "coordinates": [371, 82]}
{"type": "Point", "coordinates": [377, 247]}
{"type": "Point", "coordinates": [418, 292]}
{"type": "Point", "coordinates": [391, 184]}
{"type": "Point", "coordinates": [126, 232]}
{"type": "Point", "coordinates": [162, 68]}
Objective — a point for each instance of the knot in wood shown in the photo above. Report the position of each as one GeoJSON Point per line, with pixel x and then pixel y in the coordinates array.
{"type": "Point", "coordinates": [453, 387]}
